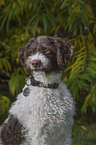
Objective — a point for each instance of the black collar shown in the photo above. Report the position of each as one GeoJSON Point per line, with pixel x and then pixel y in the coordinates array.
{"type": "Point", "coordinates": [41, 84]}
{"type": "Point", "coordinates": [33, 82]}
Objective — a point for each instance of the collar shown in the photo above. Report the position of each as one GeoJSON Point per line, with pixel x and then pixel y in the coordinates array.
{"type": "Point", "coordinates": [33, 82]}
{"type": "Point", "coordinates": [41, 84]}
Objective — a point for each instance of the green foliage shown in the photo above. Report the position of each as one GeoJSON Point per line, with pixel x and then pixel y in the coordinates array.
{"type": "Point", "coordinates": [17, 81]}
{"type": "Point", "coordinates": [4, 63]}
{"type": "Point", "coordinates": [4, 105]}
{"type": "Point", "coordinates": [20, 20]}
{"type": "Point", "coordinates": [82, 74]}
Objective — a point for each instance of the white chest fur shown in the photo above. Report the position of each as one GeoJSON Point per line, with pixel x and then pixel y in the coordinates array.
{"type": "Point", "coordinates": [44, 110]}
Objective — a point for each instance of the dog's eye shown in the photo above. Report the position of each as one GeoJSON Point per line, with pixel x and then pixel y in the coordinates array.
{"type": "Point", "coordinates": [47, 51]}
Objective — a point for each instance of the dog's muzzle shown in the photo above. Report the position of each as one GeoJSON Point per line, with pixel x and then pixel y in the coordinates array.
{"type": "Point", "coordinates": [36, 64]}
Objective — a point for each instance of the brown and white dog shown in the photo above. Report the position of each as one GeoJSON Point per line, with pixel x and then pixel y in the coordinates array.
{"type": "Point", "coordinates": [43, 112]}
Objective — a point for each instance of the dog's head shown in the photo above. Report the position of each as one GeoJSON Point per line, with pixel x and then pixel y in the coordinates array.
{"type": "Point", "coordinates": [46, 54]}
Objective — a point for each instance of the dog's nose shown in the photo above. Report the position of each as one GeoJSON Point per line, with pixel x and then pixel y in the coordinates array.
{"type": "Point", "coordinates": [36, 63]}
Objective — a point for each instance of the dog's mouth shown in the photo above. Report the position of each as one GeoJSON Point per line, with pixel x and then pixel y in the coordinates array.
{"type": "Point", "coordinates": [37, 69]}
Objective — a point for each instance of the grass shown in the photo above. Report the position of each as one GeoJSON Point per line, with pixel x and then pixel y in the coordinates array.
{"type": "Point", "coordinates": [84, 134]}
{"type": "Point", "coordinates": [84, 130]}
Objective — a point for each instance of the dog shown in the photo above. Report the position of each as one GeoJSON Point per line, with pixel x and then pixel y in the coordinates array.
{"type": "Point", "coordinates": [43, 113]}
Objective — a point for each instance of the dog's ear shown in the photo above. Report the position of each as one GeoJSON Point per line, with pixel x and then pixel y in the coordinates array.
{"type": "Point", "coordinates": [64, 52]}
{"type": "Point", "coordinates": [22, 57]}
{"type": "Point", "coordinates": [23, 53]}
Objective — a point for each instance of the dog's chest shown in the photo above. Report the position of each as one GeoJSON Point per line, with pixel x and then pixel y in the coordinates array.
{"type": "Point", "coordinates": [41, 105]}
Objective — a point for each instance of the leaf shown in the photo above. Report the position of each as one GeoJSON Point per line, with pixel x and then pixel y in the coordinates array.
{"type": "Point", "coordinates": [1, 2]}
{"type": "Point", "coordinates": [16, 82]}
{"type": "Point", "coordinates": [90, 100]}
{"type": "Point", "coordinates": [83, 127]}
{"type": "Point", "coordinates": [45, 23]}
{"type": "Point", "coordinates": [94, 29]}
{"type": "Point", "coordinates": [81, 28]}
{"type": "Point", "coordinates": [4, 104]}
{"type": "Point", "coordinates": [35, 26]}
{"type": "Point", "coordinates": [4, 63]}
{"type": "Point", "coordinates": [8, 20]}
{"type": "Point", "coordinates": [3, 21]}
{"type": "Point", "coordinates": [81, 3]}
{"type": "Point", "coordinates": [31, 21]}
{"type": "Point", "coordinates": [64, 3]}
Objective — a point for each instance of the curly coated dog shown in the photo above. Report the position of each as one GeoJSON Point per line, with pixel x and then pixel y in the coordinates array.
{"type": "Point", "coordinates": [43, 112]}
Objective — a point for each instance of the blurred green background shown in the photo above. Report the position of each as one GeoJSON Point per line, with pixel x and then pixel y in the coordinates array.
{"type": "Point", "coordinates": [74, 20]}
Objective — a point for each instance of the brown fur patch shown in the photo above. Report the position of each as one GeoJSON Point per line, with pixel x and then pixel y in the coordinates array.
{"type": "Point", "coordinates": [11, 132]}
